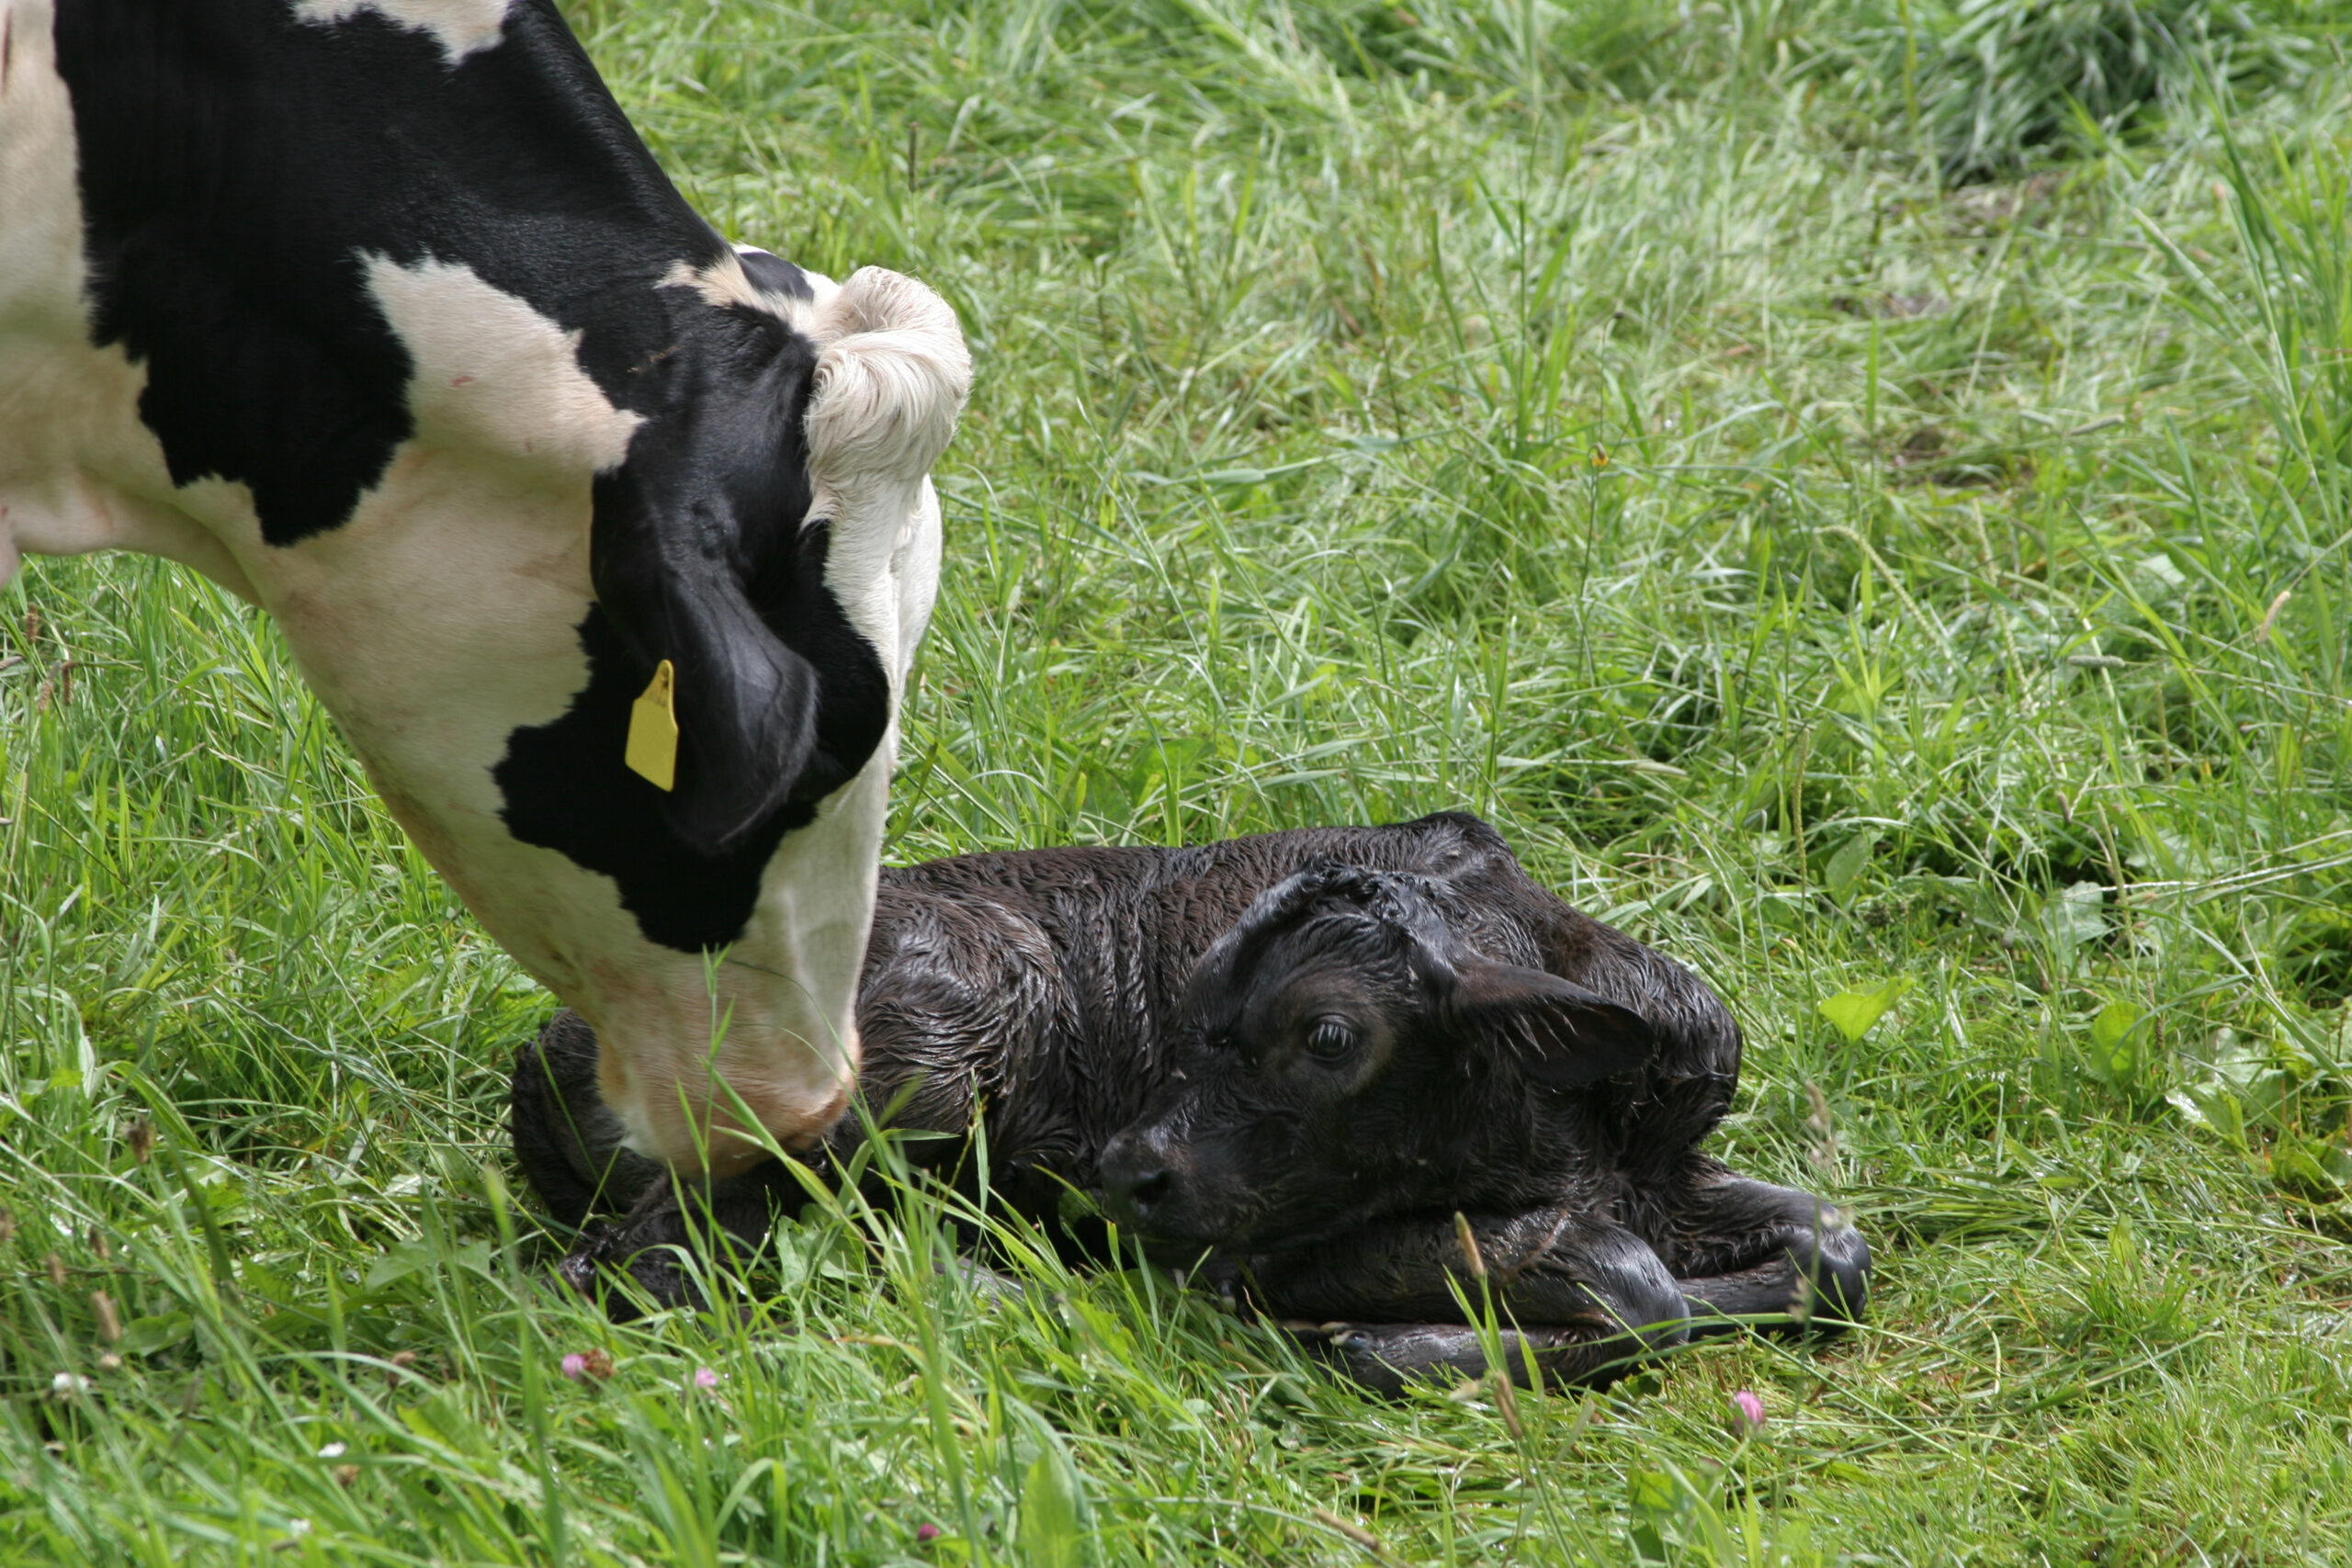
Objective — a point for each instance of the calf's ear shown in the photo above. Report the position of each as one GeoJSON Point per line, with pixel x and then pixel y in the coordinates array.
{"type": "Point", "coordinates": [1556, 1032]}
{"type": "Point", "coordinates": [1273, 911]}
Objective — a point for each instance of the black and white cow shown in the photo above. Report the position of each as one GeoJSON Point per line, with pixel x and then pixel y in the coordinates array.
{"type": "Point", "coordinates": [378, 313]}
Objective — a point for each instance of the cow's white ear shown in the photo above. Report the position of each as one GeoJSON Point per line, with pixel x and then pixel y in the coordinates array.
{"type": "Point", "coordinates": [892, 375]}
{"type": "Point", "coordinates": [1554, 1030]}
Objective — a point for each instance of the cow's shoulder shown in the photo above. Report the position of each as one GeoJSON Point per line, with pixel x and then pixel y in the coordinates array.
{"type": "Point", "coordinates": [291, 212]}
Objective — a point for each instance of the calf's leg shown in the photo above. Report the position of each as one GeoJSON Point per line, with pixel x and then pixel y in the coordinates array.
{"type": "Point", "coordinates": [672, 1218]}
{"type": "Point", "coordinates": [566, 1139]}
{"type": "Point", "coordinates": [1744, 1250]}
{"type": "Point", "coordinates": [1384, 1358]}
{"type": "Point", "coordinates": [1589, 1298]}
{"type": "Point", "coordinates": [567, 1143]}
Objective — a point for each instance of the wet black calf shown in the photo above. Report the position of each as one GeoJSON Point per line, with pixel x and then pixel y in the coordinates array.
{"type": "Point", "coordinates": [1292, 1058]}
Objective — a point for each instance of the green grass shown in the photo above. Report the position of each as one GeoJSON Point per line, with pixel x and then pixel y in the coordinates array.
{"type": "Point", "coordinates": [1600, 417]}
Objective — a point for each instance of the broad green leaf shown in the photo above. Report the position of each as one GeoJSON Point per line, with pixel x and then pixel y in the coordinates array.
{"type": "Point", "coordinates": [1854, 1011]}
{"type": "Point", "coordinates": [1050, 1536]}
{"type": "Point", "coordinates": [1651, 1490]}
{"type": "Point", "coordinates": [2118, 1044]}
{"type": "Point", "coordinates": [2213, 1105]}
{"type": "Point", "coordinates": [2300, 1169]}
{"type": "Point", "coordinates": [409, 1257]}
{"type": "Point", "coordinates": [1846, 867]}
{"type": "Point", "coordinates": [2115, 1024]}
{"type": "Point", "coordinates": [2071, 917]}
{"type": "Point", "coordinates": [145, 1336]}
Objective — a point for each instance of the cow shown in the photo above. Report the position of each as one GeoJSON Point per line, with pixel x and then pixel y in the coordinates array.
{"type": "Point", "coordinates": [1296, 1056]}
{"type": "Point", "coordinates": [606, 543]}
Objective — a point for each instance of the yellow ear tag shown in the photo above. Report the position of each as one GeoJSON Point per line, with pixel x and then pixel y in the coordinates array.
{"type": "Point", "coordinates": [653, 730]}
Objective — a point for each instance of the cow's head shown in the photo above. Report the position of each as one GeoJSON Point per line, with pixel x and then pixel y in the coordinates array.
{"type": "Point", "coordinates": [764, 526]}
{"type": "Point", "coordinates": [1344, 1056]}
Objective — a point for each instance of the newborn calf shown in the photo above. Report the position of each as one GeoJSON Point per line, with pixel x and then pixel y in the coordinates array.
{"type": "Point", "coordinates": [1297, 1055]}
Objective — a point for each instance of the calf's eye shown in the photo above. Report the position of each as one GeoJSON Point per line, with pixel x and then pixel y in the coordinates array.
{"type": "Point", "coordinates": [1331, 1041]}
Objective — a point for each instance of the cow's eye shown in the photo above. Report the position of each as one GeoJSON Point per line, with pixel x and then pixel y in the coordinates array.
{"type": "Point", "coordinates": [1331, 1041]}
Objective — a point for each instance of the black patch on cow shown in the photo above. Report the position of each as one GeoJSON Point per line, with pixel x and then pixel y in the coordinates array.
{"type": "Point", "coordinates": [568, 790]}
{"type": "Point", "coordinates": [775, 275]}
{"type": "Point", "coordinates": [235, 165]}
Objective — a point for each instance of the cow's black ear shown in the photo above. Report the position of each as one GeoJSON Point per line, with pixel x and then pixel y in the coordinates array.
{"type": "Point", "coordinates": [1556, 1032]}
{"type": "Point", "coordinates": [677, 529]}
{"type": "Point", "coordinates": [716, 497]}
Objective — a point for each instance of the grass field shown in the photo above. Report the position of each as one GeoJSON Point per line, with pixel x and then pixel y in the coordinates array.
{"type": "Point", "coordinates": [1860, 493]}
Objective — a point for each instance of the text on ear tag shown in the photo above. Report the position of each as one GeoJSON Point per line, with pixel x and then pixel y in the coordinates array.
{"type": "Point", "coordinates": [652, 751]}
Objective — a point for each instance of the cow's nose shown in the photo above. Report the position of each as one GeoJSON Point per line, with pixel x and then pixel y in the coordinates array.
{"type": "Point", "coordinates": [1137, 1178]}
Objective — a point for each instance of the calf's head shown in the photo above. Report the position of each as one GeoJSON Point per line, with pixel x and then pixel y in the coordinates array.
{"type": "Point", "coordinates": [1345, 1056]}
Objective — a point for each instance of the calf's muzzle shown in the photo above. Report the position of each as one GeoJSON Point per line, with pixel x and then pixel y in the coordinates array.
{"type": "Point", "coordinates": [1145, 1174]}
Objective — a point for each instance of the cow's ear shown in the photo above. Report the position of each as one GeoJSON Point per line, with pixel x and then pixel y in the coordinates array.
{"type": "Point", "coordinates": [672, 530]}
{"type": "Point", "coordinates": [1554, 1030]}
{"type": "Point", "coordinates": [892, 377]}
{"type": "Point", "coordinates": [849, 415]}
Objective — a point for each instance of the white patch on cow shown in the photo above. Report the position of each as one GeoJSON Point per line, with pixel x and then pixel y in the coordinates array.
{"type": "Point", "coordinates": [461, 26]}
{"type": "Point", "coordinates": [916, 567]}
{"type": "Point", "coordinates": [78, 471]}
{"type": "Point", "coordinates": [40, 242]}
{"type": "Point", "coordinates": [724, 283]}
{"type": "Point", "coordinates": [492, 376]}
{"type": "Point", "coordinates": [892, 374]}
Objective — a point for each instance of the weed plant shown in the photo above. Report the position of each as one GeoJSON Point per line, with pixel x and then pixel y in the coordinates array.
{"type": "Point", "coordinates": [2005, 81]}
{"type": "Point", "coordinates": [1929, 602]}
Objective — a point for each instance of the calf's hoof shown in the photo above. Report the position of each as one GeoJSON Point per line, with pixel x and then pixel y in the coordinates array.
{"type": "Point", "coordinates": [639, 1261]}
{"type": "Point", "coordinates": [1841, 1281]}
{"type": "Point", "coordinates": [1821, 1294]}
{"type": "Point", "coordinates": [1387, 1358]}
{"type": "Point", "coordinates": [624, 1280]}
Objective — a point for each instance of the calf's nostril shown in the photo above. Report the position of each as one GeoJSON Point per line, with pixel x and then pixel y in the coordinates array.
{"type": "Point", "coordinates": [1150, 1190]}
